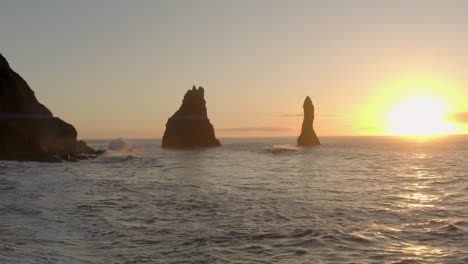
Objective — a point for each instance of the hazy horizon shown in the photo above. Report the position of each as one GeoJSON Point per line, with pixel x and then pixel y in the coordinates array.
{"type": "Point", "coordinates": [277, 137]}
{"type": "Point", "coordinates": [120, 69]}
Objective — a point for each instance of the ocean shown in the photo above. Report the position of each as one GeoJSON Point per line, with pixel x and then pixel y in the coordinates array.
{"type": "Point", "coordinates": [254, 200]}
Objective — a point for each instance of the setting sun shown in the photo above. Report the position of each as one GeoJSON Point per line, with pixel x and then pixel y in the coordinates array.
{"type": "Point", "coordinates": [420, 116]}
{"type": "Point", "coordinates": [231, 132]}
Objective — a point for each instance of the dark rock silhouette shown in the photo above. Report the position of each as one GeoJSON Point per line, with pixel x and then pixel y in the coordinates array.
{"type": "Point", "coordinates": [190, 127]}
{"type": "Point", "coordinates": [28, 130]}
{"type": "Point", "coordinates": [308, 136]}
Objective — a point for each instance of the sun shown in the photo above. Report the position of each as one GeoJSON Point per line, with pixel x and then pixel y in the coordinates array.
{"type": "Point", "coordinates": [420, 116]}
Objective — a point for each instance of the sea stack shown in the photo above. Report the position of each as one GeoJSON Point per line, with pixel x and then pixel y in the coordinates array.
{"type": "Point", "coordinates": [28, 130]}
{"type": "Point", "coordinates": [308, 136]}
{"type": "Point", "coordinates": [190, 127]}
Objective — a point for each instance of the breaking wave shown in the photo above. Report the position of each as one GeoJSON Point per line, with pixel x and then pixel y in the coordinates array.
{"type": "Point", "coordinates": [282, 148]}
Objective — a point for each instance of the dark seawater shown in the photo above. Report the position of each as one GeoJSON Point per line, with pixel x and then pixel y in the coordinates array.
{"type": "Point", "coordinates": [351, 200]}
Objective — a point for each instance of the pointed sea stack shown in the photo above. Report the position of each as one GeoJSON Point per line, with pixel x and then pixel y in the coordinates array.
{"type": "Point", "coordinates": [190, 127]}
{"type": "Point", "coordinates": [308, 136]}
{"type": "Point", "coordinates": [28, 130]}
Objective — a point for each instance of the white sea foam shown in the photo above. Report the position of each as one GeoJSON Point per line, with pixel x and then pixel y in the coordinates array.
{"type": "Point", "coordinates": [119, 146]}
{"type": "Point", "coordinates": [282, 148]}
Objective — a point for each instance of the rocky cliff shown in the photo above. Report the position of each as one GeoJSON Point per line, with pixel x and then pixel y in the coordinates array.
{"type": "Point", "coordinates": [28, 130]}
{"type": "Point", "coordinates": [308, 136]}
{"type": "Point", "coordinates": [190, 127]}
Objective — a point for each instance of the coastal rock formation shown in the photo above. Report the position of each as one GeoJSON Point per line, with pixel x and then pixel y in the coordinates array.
{"type": "Point", "coordinates": [28, 130]}
{"type": "Point", "coordinates": [308, 136]}
{"type": "Point", "coordinates": [190, 127]}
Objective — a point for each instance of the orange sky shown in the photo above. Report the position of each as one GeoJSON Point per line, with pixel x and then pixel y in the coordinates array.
{"type": "Point", "coordinates": [121, 69]}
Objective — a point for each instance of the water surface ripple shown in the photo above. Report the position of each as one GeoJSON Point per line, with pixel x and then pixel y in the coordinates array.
{"type": "Point", "coordinates": [351, 200]}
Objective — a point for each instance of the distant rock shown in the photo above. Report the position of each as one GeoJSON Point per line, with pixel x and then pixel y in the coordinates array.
{"type": "Point", "coordinates": [190, 127]}
{"type": "Point", "coordinates": [28, 130]}
{"type": "Point", "coordinates": [308, 136]}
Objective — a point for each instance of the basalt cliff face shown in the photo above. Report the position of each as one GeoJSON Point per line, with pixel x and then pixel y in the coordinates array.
{"type": "Point", "coordinates": [28, 130]}
{"type": "Point", "coordinates": [308, 136]}
{"type": "Point", "coordinates": [190, 127]}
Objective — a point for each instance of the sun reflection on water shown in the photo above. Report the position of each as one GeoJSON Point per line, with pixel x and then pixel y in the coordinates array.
{"type": "Point", "coordinates": [420, 197]}
{"type": "Point", "coordinates": [425, 251]}
{"type": "Point", "coordinates": [416, 186]}
{"type": "Point", "coordinates": [421, 156]}
{"type": "Point", "coordinates": [418, 200]}
{"type": "Point", "coordinates": [419, 192]}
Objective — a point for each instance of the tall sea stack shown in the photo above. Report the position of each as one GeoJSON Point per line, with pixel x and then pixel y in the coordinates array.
{"type": "Point", "coordinates": [190, 127]}
{"type": "Point", "coordinates": [28, 130]}
{"type": "Point", "coordinates": [308, 136]}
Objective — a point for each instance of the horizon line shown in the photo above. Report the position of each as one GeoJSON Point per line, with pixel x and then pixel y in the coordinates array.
{"type": "Point", "coordinates": [160, 138]}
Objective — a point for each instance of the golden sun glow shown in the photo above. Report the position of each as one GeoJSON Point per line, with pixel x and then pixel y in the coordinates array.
{"type": "Point", "coordinates": [420, 116]}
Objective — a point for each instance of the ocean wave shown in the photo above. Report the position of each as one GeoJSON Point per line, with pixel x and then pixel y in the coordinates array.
{"type": "Point", "coordinates": [248, 202]}
{"type": "Point", "coordinates": [119, 146]}
{"type": "Point", "coordinates": [281, 149]}
{"type": "Point", "coordinates": [6, 185]}
{"type": "Point", "coordinates": [115, 158]}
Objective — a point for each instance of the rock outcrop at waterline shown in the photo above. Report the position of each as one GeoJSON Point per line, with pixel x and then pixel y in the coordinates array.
{"type": "Point", "coordinates": [308, 136]}
{"type": "Point", "coordinates": [28, 130]}
{"type": "Point", "coordinates": [190, 127]}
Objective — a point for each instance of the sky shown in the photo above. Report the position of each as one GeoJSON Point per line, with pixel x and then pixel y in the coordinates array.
{"type": "Point", "coordinates": [116, 68]}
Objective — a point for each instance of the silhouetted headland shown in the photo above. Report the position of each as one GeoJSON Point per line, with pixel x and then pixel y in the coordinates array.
{"type": "Point", "coordinates": [308, 136]}
{"type": "Point", "coordinates": [190, 127]}
{"type": "Point", "coordinates": [28, 130]}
